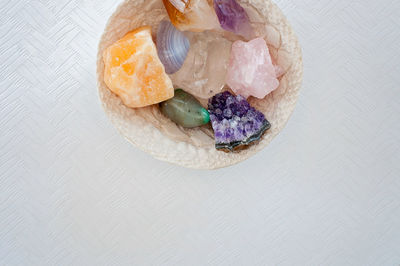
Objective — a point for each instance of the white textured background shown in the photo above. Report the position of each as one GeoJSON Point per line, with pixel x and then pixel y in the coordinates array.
{"type": "Point", "coordinates": [325, 192]}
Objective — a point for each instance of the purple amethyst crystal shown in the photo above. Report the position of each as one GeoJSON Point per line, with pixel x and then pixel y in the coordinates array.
{"type": "Point", "coordinates": [234, 121]}
{"type": "Point", "coordinates": [233, 17]}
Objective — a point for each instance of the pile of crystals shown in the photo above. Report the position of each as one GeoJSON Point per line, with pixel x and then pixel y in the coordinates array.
{"type": "Point", "coordinates": [141, 72]}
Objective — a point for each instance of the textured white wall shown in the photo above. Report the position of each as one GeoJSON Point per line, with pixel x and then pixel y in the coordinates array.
{"type": "Point", "coordinates": [325, 192]}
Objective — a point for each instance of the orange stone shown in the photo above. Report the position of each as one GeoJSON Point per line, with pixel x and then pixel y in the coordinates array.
{"type": "Point", "coordinates": [194, 15]}
{"type": "Point", "coordinates": [134, 72]}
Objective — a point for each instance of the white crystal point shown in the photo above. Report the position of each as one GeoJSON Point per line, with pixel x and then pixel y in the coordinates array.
{"type": "Point", "coordinates": [203, 73]}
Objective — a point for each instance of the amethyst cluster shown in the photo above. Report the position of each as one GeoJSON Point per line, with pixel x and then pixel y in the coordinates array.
{"type": "Point", "coordinates": [234, 121]}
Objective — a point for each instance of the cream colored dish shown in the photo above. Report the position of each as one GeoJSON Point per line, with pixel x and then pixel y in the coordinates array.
{"type": "Point", "coordinates": [155, 134]}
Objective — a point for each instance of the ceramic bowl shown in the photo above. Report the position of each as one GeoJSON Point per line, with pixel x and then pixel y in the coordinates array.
{"type": "Point", "coordinates": [150, 131]}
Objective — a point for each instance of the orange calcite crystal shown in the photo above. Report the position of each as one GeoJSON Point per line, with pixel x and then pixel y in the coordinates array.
{"type": "Point", "coordinates": [192, 15]}
{"type": "Point", "coordinates": [134, 72]}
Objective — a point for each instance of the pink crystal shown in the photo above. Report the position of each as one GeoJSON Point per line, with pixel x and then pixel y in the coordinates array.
{"type": "Point", "coordinates": [250, 70]}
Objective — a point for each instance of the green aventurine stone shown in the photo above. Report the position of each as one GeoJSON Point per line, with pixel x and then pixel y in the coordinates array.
{"type": "Point", "coordinates": [185, 110]}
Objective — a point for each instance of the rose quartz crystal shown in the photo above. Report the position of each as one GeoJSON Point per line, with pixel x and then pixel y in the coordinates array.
{"type": "Point", "coordinates": [250, 70]}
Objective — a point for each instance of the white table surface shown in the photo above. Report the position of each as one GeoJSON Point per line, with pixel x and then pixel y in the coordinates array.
{"type": "Point", "coordinates": [326, 191]}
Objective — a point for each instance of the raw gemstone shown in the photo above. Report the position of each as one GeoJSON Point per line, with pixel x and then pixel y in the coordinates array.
{"type": "Point", "coordinates": [192, 15]}
{"type": "Point", "coordinates": [179, 4]}
{"type": "Point", "coordinates": [133, 71]}
{"type": "Point", "coordinates": [185, 110]}
{"type": "Point", "coordinates": [203, 73]}
{"type": "Point", "coordinates": [235, 122]}
{"type": "Point", "coordinates": [233, 17]}
{"type": "Point", "coordinates": [250, 70]}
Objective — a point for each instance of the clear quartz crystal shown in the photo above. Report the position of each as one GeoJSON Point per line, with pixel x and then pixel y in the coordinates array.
{"type": "Point", "coordinates": [179, 4]}
{"type": "Point", "coordinates": [204, 70]}
{"type": "Point", "coordinates": [192, 15]}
